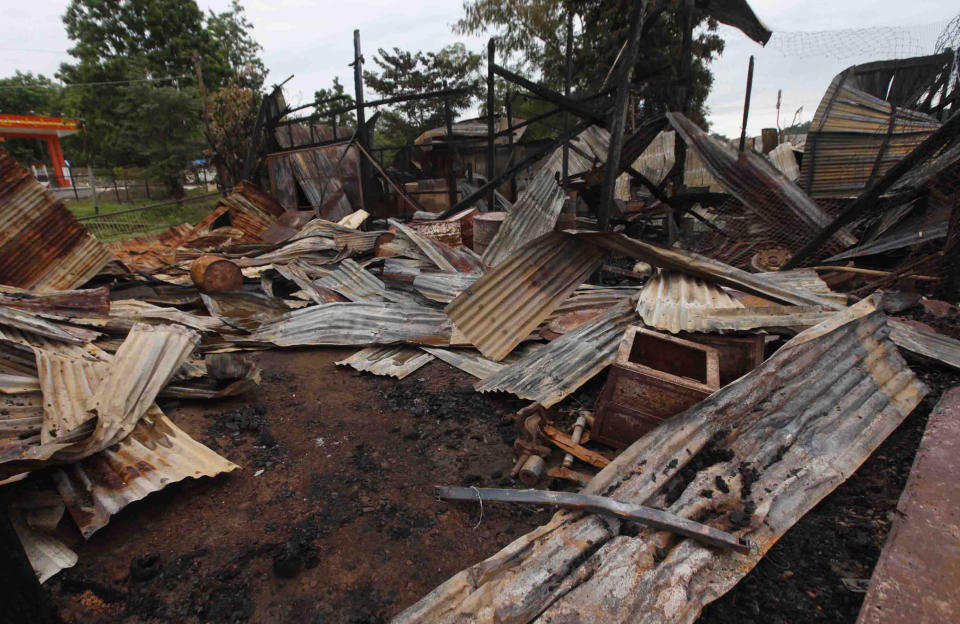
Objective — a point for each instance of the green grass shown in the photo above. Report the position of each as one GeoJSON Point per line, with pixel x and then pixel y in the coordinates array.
{"type": "Point", "coordinates": [141, 222]}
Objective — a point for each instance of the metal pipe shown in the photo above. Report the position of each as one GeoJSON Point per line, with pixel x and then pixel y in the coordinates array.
{"type": "Point", "coordinates": [649, 516]}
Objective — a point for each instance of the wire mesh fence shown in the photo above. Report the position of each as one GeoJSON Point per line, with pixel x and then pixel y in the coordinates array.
{"type": "Point", "coordinates": [143, 220]}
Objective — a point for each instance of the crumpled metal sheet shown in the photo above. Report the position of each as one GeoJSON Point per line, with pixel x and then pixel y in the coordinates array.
{"type": "Point", "coordinates": [769, 195]}
{"type": "Point", "coordinates": [742, 319]}
{"type": "Point", "coordinates": [47, 554]}
{"type": "Point", "coordinates": [536, 210]}
{"type": "Point", "coordinates": [32, 323]}
{"type": "Point", "coordinates": [903, 237]}
{"type": "Point", "coordinates": [94, 302]}
{"type": "Point", "coordinates": [63, 381]}
{"type": "Point", "coordinates": [804, 279]}
{"type": "Point", "coordinates": [443, 287]}
{"type": "Point", "coordinates": [42, 246]}
{"type": "Point", "coordinates": [357, 284]}
{"type": "Point", "coordinates": [329, 177]}
{"type": "Point", "coordinates": [675, 302]}
{"type": "Point", "coordinates": [151, 252]}
{"type": "Point", "coordinates": [501, 309]}
{"type": "Point", "coordinates": [739, 14]}
{"type": "Point", "coordinates": [392, 361]}
{"type": "Point", "coordinates": [142, 366]}
{"type": "Point", "coordinates": [154, 455]}
{"type": "Point", "coordinates": [552, 372]}
{"type": "Point", "coordinates": [591, 297]}
{"type": "Point", "coordinates": [251, 210]}
{"type": "Point", "coordinates": [932, 345]}
{"type": "Point", "coordinates": [784, 158]}
{"type": "Point", "coordinates": [706, 268]}
{"type": "Point", "coordinates": [357, 323]}
{"type": "Point", "coordinates": [472, 363]}
{"type": "Point", "coordinates": [864, 124]}
{"type": "Point", "coordinates": [799, 425]}
{"type": "Point", "coordinates": [124, 313]}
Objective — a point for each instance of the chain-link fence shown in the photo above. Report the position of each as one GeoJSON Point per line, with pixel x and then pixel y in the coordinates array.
{"type": "Point", "coordinates": [142, 220]}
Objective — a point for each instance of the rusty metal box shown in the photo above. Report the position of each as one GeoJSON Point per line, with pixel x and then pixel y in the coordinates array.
{"type": "Point", "coordinates": [654, 377]}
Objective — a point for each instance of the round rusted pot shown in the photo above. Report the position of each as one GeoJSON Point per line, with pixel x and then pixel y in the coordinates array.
{"type": "Point", "coordinates": [215, 274]}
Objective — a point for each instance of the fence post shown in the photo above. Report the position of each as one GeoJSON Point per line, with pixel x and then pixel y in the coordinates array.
{"type": "Point", "coordinates": [93, 189]}
{"type": "Point", "coordinates": [146, 184]}
{"type": "Point", "coordinates": [113, 176]}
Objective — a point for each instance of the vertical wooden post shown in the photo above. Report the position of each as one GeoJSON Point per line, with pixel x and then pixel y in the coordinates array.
{"type": "Point", "coordinates": [618, 121]}
{"type": "Point", "coordinates": [682, 104]}
{"type": "Point", "coordinates": [746, 105]}
{"type": "Point", "coordinates": [451, 151]}
{"type": "Point", "coordinates": [93, 189]}
{"type": "Point", "coordinates": [366, 172]}
{"type": "Point", "coordinates": [567, 75]}
{"type": "Point", "coordinates": [513, 180]}
{"type": "Point", "coordinates": [491, 102]}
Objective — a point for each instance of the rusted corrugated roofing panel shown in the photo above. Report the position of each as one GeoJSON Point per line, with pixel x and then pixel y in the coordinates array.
{"type": "Point", "coordinates": [154, 455]}
{"type": "Point", "coordinates": [46, 553]}
{"type": "Point", "coordinates": [329, 177]}
{"type": "Point", "coordinates": [864, 124]}
{"type": "Point", "coordinates": [675, 302]}
{"type": "Point", "coordinates": [251, 210]}
{"type": "Point", "coordinates": [42, 246]}
{"type": "Point", "coordinates": [784, 158]}
{"type": "Point", "coordinates": [443, 287]}
{"type": "Point", "coordinates": [472, 363]}
{"type": "Point", "coordinates": [354, 282]}
{"type": "Point", "coordinates": [501, 309]}
{"type": "Point", "coordinates": [536, 211]}
{"type": "Point", "coordinates": [590, 296]}
{"type": "Point", "coordinates": [741, 319]}
{"type": "Point", "coordinates": [706, 268]}
{"type": "Point", "coordinates": [552, 372]}
{"type": "Point", "coordinates": [357, 324]}
{"type": "Point", "coordinates": [153, 251]}
{"type": "Point", "coordinates": [769, 195]}
{"type": "Point", "coordinates": [63, 303]}
{"type": "Point", "coordinates": [798, 425]}
{"type": "Point", "coordinates": [394, 361]}
{"type": "Point", "coordinates": [32, 323]}
{"type": "Point", "coordinates": [65, 381]}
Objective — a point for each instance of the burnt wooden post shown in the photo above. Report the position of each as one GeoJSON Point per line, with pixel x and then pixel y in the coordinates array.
{"type": "Point", "coordinates": [567, 73]}
{"type": "Point", "coordinates": [746, 105]}
{"type": "Point", "coordinates": [366, 174]}
{"type": "Point", "coordinates": [682, 104]}
{"type": "Point", "coordinates": [618, 121]}
{"type": "Point", "coordinates": [513, 181]}
{"type": "Point", "coordinates": [451, 151]}
{"type": "Point", "coordinates": [491, 102]}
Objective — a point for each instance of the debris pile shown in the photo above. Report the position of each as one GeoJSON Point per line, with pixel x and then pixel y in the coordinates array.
{"type": "Point", "coordinates": [751, 357]}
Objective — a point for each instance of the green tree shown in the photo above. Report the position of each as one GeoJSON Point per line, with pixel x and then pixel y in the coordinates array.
{"type": "Point", "coordinates": [534, 33]}
{"type": "Point", "coordinates": [401, 72]}
{"type": "Point", "coordinates": [347, 119]}
{"type": "Point", "coordinates": [231, 114]}
{"type": "Point", "coordinates": [144, 55]}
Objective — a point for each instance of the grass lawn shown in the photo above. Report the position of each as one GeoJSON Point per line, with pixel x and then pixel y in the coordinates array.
{"type": "Point", "coordinates": [130, 224]}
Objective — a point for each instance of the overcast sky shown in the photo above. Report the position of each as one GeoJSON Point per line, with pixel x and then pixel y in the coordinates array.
{"type": "Point", "coordinates": [314, 42]}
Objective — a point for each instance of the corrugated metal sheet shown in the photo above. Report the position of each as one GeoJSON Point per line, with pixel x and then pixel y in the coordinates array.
{"type": "Point", "coordinates": [42, 246]}
{"type": "Point", "coordinates": [658, 159]}
{"type": "Point", "coordinates": [313, 248]}
{"type": "Point", "coordinates": [751, 178]}
{"type": "Point", "coordinates": [802, 423]}
{"type": "Point", "coordinates": [552, 372]}
{"type": "Point", "coordinates": [154, 455]}
{"type": "Point", "coordinates": [857, 134]}
{"type": "Point", "coordinates": [784, 158]}
{"type": "Point", "coordinates": [357, 324]}
{"type": "Point", "coordinates": [902, 237]}
{"type": "Point", "coordinates": [591, 297]}
{"type": "Point", "coordinates": [251, 210]}
{"type": "Point", "coordinates": [932, 345]}
{"type": "Point", "coordinates": [124, 313]}
{"type": "Point", "coordinates": [741, 319]}
{"type": "Point", "coordinates": [397, 361]}
{"type": "Point", "coordinates": [706, 268]}
{"type": "Point", "coordinates": [536, 211]}
{"type": "Point", "coordinates": [47, 554]}
{"type": "Point", "coordinates": [63, 303]}
{"type": "Point", "coordinates": [153, 251]}
{"type": "Point", "coordinates": [675, 302]}
{"type": "Point", "coordinates": [31, 323]}
{"type": "Point", "coordinates": [472, 363]}
{"type": "Point", "coordinates": [354, 282]}
{"type": "Point", "coordinates": [329, 177]}
{"type": "Point", "coordinates": [443, 287]}
{"type": "Point", "coordinates": [501, 309]}
{"type": "Point", "coordinates": [64, 381]}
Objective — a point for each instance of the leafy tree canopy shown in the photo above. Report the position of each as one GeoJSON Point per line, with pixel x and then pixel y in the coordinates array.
{"type": "Point", "coordinates": [401, 72]}
{"type": "Point", "coordinates": [534, 33]}
{"type": "Point", "coordinates": [348, 119]}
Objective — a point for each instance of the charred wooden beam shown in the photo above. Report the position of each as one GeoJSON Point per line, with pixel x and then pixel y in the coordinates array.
{"type": "Point", "coordinates": [565, 103]}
